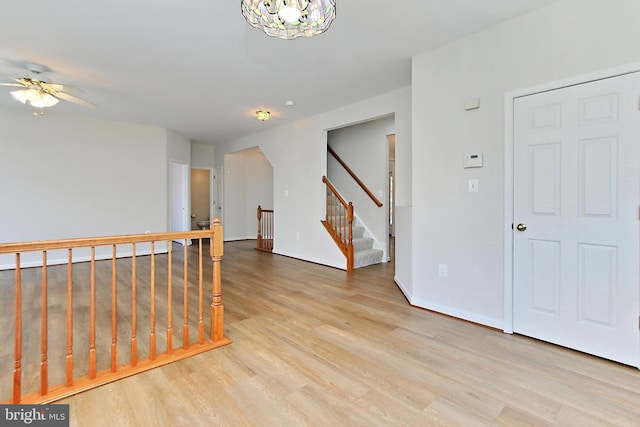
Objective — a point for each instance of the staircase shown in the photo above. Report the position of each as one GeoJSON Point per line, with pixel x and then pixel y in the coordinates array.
{"type": "Point", "coordinates": [363, 252]}
{"type": "Point", "coordinates": [347, 232]}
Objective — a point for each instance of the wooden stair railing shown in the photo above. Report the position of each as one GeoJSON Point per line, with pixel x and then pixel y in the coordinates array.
{"type": "Point", "coordinates": [62, 334]}
{"type": "Point", "coordinates": [339, 221]}
{"type": "Point", "coordinates": [265, 230]}
{"type": "Point", "coordinates": [355, 177]}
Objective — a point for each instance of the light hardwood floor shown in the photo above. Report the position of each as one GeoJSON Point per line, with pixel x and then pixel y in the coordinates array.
{"type": "Point", "coordinates": [318, 346]}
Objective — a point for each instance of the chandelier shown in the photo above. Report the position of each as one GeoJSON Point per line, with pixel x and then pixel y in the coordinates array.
{"type": "Point", "coordinates": [288, 19]}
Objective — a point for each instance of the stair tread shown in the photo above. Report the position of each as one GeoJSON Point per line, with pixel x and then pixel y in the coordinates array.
{"type": "Point", "coordinates": [362, 243]}
{"type": "Point", "coordinates": [368, 251]}
{"type": "Point", "coordinates": [367, 257]}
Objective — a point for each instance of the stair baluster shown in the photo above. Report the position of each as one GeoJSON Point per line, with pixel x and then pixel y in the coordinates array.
{"type": "Point", "coordinates": [339, 222]}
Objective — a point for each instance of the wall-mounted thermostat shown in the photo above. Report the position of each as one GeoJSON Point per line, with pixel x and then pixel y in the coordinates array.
{"type": "Point", "coordinates": [472, 104]}
{"type": "Point", "coordinates": [473, 160]}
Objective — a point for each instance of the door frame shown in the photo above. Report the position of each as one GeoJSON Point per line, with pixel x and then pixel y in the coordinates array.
{"type": "Point", "coordinates": [217, 193]}
{"type": "Point", "coordinates": [183, 198]}
{"type": "Point", "coordinates": [509, 99]}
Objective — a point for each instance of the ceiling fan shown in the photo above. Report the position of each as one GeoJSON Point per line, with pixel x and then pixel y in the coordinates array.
{"type": "Point", "coordinates": [39, 93]}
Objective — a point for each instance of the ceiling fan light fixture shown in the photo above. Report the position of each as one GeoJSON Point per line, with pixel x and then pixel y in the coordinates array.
{"type": "Point", "coordinates": [35, 97]}
{"type": "Point", "coordinates": [33, 94]}
{"type": "Point", "coordinates": [46, 100]}
{"type": "Point", "coordinates": [18, 95]}
{"type": "Point", "coordinates": [40, 93]}
{"type": "Point", "coordinates": [289, 19]}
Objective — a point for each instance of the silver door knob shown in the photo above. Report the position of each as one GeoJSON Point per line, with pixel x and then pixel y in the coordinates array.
{"type": "Point", "coordinates": [521, 227]}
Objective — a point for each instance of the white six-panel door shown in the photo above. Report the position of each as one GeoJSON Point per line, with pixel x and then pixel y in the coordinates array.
{"type": "Point", "coordinates": [576, 217]}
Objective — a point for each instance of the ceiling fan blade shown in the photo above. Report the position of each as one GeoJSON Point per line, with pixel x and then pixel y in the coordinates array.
{"type": "Point", "coordinates": [12, 84]}
{"type": "Point", "coordinates": [74, 99]}
{"type": "Point", "coordinates": [56, 87]}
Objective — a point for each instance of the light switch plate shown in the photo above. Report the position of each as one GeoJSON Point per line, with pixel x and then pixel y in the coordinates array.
{"type": "Point", "coordinates": [473, 185]}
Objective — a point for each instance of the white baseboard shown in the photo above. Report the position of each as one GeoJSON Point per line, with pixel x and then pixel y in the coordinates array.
{"type": "Point", "coordinates": [75, 259]}
{"type": "Point", "coordinates": [402, 288]}
{"type": "Point", "coordinates": [237, 239]}
{"type": "Point", "coordinates": [460, 314]}
{"type": "Point", "coordinates": [341, 266]}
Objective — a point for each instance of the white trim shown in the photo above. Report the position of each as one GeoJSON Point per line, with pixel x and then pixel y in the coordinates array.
{"type": "Point", "coordinates": [340, 266]}
{"type": "Point", "coordinates": [238, 239]}
{"type": "Point", "coordinates": [508, 213]}
{"type": "Point", "coordinates": [508, 166]}
{"type": "Point", "coordinates": [460, 314]}
{"type": "Point", "coordinates": [219, 177]}
{"type": "Point", "coordinates": [402, 288]}
{"type": "Point", "coordinates": [185, 170]}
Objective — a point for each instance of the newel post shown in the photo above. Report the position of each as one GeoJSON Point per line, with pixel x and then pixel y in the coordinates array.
{"type": "Point", "coordinates": [259, 241]}
{"type": "Point", "coordinates": [217, 309]}
{"type": "Point", "coordinates": [350, 255]}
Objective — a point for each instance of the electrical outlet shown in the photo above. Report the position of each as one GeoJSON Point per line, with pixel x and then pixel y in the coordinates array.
{"type": "Point", "coordinates": [298, 236]}
{"type": "Point", "coordinates": [443, 270]}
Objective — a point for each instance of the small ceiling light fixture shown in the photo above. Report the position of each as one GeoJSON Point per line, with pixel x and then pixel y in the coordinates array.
{"type": "Point", "coordinates": [288, 19]}
{"type": "Point", "coordinates": [263, 115]}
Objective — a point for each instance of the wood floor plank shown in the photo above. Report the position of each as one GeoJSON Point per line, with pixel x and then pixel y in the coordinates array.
{"type": "Point", "coordinates": [317, 346]}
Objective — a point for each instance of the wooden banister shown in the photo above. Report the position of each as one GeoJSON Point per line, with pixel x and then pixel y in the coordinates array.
{"type": "Point", "coordinates": [265, 230]}
{"type": "Point", "coordinates": [338, 222]}
{"type": "Point", "coordinates": [68, 358]}
{"type": "Point", "coordinates": [355, 177]}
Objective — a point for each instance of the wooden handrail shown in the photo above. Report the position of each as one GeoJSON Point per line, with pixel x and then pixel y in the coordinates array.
{"type": "Point", "coordinates": [9, 248]}
{"type": "Point", "coordinates": [354, 176]}
{"type": "Point", "coordinates": [103, 345]}
{"type": "Point", "coordinates": [339, 222]}
{"type": "Point", "coordinates": [335, 191]}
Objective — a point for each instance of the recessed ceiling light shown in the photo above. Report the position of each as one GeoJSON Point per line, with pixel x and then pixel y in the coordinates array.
{"type": "Point", "coordinates": [289, 103]}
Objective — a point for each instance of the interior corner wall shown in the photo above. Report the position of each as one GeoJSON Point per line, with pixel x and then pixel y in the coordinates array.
{"type": "Point", "coordinates": [248, 183]}
{"type": "Point", "coordinates": [258, 190]}
{"type": "Point", "coordinates": [466, 230]}
{"type": "Point", "coordinates": [297, 153]}
{"type": "Point", "coordinates": [179, 151]}
{"type": "Point", "coordinates": [63, 177]}
{"type": "Point", "coordinates": [234, 205]}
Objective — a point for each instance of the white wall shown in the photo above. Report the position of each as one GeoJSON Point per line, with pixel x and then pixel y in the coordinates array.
{"type": "Point", "coordinates": [248, 182]}
{"type": "Point", "coordinates": [179, 151]}
{"type": "Point", "coordinates": [259, 190]}
{"type": "Point", "coordinates": [64, 176]}
{"type": "Point", "coordinates": [297, 153]}
{"type": "Point", "coordinates": [465, 230]}
{"type": "Point", "coordinates": [365, 149]}
{"type": "Point", "coordinates": [202, 155]}
{"type": "Point", "coordinates": [234, 202]}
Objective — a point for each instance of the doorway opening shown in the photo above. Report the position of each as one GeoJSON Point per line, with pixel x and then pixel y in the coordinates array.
{"type": "Point", "coordinates": [201, 198]}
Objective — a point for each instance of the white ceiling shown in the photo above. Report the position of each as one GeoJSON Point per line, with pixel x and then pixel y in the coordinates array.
{"type": "Point", "coordinates": [198, 68]}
